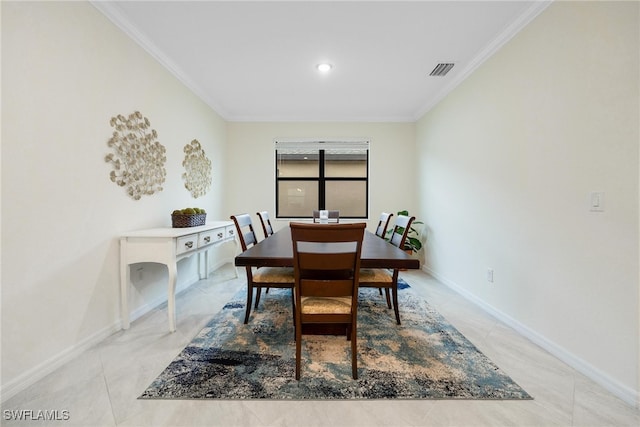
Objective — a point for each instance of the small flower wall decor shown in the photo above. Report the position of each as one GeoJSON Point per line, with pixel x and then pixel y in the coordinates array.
{"type": "Point", "coordinates": [197, 178]}
{"type": "Point", "coordinates": [138, 159]}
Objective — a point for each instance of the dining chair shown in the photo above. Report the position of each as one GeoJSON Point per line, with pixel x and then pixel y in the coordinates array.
{"type": "Point", "coordinates": [267, 229]}
{"type": "Point", "coordinates": [383, 278]}
{"type": "Point", "coordinates": [383, 224]}
{"type": "Point", "coordinates": [326, 263]}
{"type": "Point", "coordinates": [261, 277]}
{"type": "Point", "coordinates": [334, 216]}
{"type": "Point", "coordinates": [381, 229]}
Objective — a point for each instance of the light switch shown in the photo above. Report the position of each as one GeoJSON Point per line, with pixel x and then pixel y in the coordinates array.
{"type": "Point", "coordinates": [597, 201]}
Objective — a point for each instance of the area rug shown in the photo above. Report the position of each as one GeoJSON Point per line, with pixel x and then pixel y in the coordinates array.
{"type": "Point", "coordinates": [424, 358]}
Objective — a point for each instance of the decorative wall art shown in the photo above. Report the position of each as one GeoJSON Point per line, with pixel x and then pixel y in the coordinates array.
{"type": "Point", "coordinates": [197, 178]}
{"type": "Point", "coordinates": [138, 159]}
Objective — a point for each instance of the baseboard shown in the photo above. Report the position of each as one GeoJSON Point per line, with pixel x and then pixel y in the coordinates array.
{"type": "Point", "coordinates": [22, 382]}
{"type": "Point", "coordinates": [27, 379]}
{"type": "Point", "coordinates": [625, 393]}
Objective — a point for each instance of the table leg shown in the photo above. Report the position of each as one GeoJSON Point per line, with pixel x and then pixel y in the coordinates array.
{"type": "Point", "coordinates": [125, 277]}
{"type": "Point", "coordinates": [171, 295]}
{"type": "Point", "coordinates": [204, 275]}
{"type": "Point", "coordinates": [237, 250]}
{"type": "Point", "coordinates": [206, 264]}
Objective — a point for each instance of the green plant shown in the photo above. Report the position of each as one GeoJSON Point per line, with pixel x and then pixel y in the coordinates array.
{"type": "Point", "coordinates": [412, 243]}
{"type": "Point", "coordinates": [189, 211]}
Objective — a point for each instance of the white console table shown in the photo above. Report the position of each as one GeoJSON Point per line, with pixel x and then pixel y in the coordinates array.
{"type": "Point", "coordinates": [168, 246]}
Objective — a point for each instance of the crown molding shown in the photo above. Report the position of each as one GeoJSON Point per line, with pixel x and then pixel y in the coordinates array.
{"type": "Point", "coordinates": [492, 47]}
{"type": "Point", "coordinates": [114, 14]}
{"type": "Point", "coordinates": [322, 119]}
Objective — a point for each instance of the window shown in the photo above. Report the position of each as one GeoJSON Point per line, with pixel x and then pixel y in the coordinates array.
{"type": "Point", "coordinates": [312, 175]}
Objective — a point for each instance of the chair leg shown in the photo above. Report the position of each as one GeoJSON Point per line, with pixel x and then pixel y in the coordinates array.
{"type": "Point", "coordinates": [293, 311]}
{"type": "Point", "coordinates": [298, 349]}
{"type": "Point", "coordinates": [395, 303]}
{"type": "Point", "coordinates": [258, 293]}
{"type": "Point", "coordinates": [386, 291]}
{"type": "Point", "coordinates": [354, 353]}
{"type": "Point", "coordinates": [249, 300]}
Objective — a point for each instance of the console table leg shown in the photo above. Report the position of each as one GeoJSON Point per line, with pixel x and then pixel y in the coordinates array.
{"type": "Point", "coordinates": [125, 277]}
{"type": "Point", "coordinates": [203, 275]}
{"type": "Point", "coordinates": [206, 264]}
{"type": "Point", "coordinates": [237, 250]}
{"type": "Point", "coordinates": [171, 296]}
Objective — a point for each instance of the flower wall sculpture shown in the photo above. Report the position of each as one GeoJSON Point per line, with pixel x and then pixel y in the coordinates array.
{"type": "Point", "coordinates": [198, 169]}
{"type": "Point", "coordinates": [138, 159]}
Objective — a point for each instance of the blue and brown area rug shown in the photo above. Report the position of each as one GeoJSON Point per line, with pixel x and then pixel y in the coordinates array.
{"type": "Point", "coordinates": [424, 358]}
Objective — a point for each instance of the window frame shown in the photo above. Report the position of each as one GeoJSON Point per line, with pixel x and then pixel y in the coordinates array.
{"type": "Point", "coordinates": [322, 146]}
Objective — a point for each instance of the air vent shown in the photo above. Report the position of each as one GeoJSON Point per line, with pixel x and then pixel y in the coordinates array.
{"type": "Point", "coordinates": [441, 69]}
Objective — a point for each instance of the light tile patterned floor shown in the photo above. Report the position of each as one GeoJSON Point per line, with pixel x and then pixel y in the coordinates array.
{"type": "Point", "coordinates": [100, 387]}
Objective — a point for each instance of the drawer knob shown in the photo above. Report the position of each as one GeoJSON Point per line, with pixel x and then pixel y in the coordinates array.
{"type": "Point", "coordinates": [207, 239]}
{"type": "Point", "coordinates": [189, 245]}
{"type": "Point", "coordinates": [219, 235]}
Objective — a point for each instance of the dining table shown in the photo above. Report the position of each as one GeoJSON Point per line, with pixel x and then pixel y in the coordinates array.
{"type": "Point", "coordinates": [277, 251]}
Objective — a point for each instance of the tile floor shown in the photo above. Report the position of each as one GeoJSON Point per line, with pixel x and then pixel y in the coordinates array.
{"type": "Point", "coordinates": [100, 387]}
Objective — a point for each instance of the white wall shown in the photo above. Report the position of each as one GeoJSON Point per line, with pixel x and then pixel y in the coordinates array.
{"type": "Point", "coordinates": [66, 70]}
{"type": "Point", "coordinates": [251, 157]}
{"type": "Point", "coordinates": [507, 163]}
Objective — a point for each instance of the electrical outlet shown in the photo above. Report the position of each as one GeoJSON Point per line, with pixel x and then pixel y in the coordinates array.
{"type": "Point", "coordinates": [490, 275]}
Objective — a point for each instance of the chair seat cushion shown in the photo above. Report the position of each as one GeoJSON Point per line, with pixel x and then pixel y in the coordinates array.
{"type": "Point", "coordinates": [375, 275]}
{"type": "Point", "coordinates": [274, 275]}
{"type": "Point", "coordinates": [325, 305]}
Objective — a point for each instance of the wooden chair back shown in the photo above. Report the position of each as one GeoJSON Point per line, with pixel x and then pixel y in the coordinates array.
{"type": "Point", "coordinates": [244, 228]}
{"type": "Point", "coordinates": [400, 230]}
{"type": "Point", "coordinates": [260, 277]}
{"type": "Point", "coordinates": [266, 223]}
{"type": "Point", "coordinates": [383, 224]}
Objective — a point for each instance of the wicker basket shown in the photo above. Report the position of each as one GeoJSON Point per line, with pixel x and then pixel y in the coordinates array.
{"type": "Point", "coordinates": [183, 221]}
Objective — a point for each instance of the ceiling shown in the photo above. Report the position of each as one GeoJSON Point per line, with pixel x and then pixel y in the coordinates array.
{"type": "Point", "coordinates": [256, 61]}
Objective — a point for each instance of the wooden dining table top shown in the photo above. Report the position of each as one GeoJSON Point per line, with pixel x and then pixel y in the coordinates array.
{"type": "Point", "coordinates": [277, 251]}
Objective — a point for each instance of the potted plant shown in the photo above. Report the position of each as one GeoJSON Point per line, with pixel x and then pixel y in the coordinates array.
{"type": "Point", "coordinates": [412, 243]}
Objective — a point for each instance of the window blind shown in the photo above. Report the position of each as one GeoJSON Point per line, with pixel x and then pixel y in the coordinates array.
{"type": "Point", "coordinates": [290, 146]}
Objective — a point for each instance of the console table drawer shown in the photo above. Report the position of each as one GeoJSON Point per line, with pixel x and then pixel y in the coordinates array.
{"type": "Point", "coordinates": [220, 234]}
{"type": "Point", "coordinates": [211, 236]}
{"type": "Point", "coordinates": [230, 232]}
{"type": "Point", "coordinates": [206, 238]}
{"type": "Point", "coordinates": [186, 243]}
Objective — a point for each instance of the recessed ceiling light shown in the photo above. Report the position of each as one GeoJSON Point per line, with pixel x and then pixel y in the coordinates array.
{"type": "Point", "coordinates": [324, 67]}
